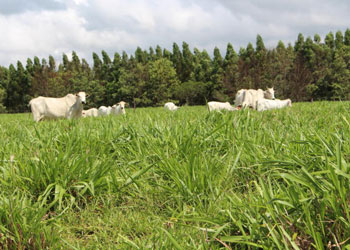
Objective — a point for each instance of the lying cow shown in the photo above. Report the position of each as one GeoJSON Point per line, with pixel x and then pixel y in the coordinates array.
{"type": "Point", "coordinates": [170, 106]}
{"type": "Point", "coordinates": [103, 110]}
{"type": "Point", "coordinates": [248, 98]}
{"type": "Point", "coordinates": [90, 112]}
{"type": "Point", "coordinates": [217, 106]}
{"type": "Point", "coordinates": [69, 106]}
{"type": "Point", "coordinates": [119, 108]}
{"type": "Point", "coordinates": [266, 104]}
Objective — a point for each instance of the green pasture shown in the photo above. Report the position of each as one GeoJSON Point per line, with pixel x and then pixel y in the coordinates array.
{"type": "Point", "coordinates": [188, 179]}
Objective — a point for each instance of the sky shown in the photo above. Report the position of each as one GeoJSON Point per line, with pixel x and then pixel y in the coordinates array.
{"type": "Point", "coordinates": [41, 28]}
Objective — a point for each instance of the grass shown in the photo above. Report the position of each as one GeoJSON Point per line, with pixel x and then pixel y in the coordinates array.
{"type": "Point", "coordinates": [184, 180]}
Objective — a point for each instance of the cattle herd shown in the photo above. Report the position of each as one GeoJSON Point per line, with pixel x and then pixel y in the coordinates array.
{"type": "Point", "coordinates": [71, 106]}
{"type": "Point", "coordinates": [259, 100]}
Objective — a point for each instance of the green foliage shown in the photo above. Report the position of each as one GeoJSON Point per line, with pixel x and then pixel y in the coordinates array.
{"type": "Point", "coordinates": [192, 93]}
{"type": "Point", "coordinates": [2, 98]}
{"type": "Point", "coordinates": [162, 81]}
{"type": "Point", "coordinates": [187, 64]}
{"type": "Point", "coordinates": [132, 86]}
{"type": "Point", "coordinates": [17, 89]}
{"type": "Point", "coordinates": [311, 69]}
{"type": "Point", "coordinates": [341, 76]}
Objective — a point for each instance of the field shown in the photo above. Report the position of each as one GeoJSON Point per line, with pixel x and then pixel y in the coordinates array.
{"type": "Point", "coordinates": [184, 180]}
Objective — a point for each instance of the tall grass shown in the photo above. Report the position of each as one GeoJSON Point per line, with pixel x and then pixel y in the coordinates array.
{"type": "Point", "coordinates": [183, 180]}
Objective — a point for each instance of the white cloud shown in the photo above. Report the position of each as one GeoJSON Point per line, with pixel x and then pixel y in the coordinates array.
{"type": "Point", "coordinates": [86, 26]}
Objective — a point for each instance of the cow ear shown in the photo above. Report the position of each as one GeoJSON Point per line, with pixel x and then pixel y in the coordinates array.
{"type": "Point", "coordinates": [86, 95]}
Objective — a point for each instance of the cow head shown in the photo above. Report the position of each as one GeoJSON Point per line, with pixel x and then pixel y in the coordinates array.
{"type": "Point", "coordinates": [240, 92]}
{"type": "Point", "coordinates": [121, 105]}
{"type": "Point", "coordinates": [269, 93]}
{"type": "Point", "coordinates": [82, 97]}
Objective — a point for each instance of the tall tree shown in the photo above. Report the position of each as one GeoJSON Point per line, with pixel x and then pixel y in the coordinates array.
{"type": "Point", "coordinates": [329, 40]}
{"type": "Point", "coordinates": [97, 66]}
{"type": "Point", "coordinates": [339, 40]}
{"type": "Point", "coordinates": [301, 74]}
{"type": "Point", "coordinates": [347, 37]}
{"type": "Point", "coordinates": [341, 74]}
{"type": "Point", "coordinates": [187, 63]}
{"type": "Point", "coordinates": [3, 87]}
{"type": "Point", "coordinates": [217, 76]}
{"type": "Point", "coordinates": [140, 56]}
{"type": "Point", "coordinates": [162, 81]}
{"type": "Point", "coordinates": [52, 63]}
{"type": "Point", "coordinates": [166, 54]}
{"type": "Point", "coordinates": [132, 82]}
{"type": "Point", "coordinates": [76, 65]}
{"type": "Point", "coordinates": [260, 64]}
{"type": "Point", "coordinates": [66, 63]}
{"type": "Point", "coordinates": [177, 60]}
{"type": "Point", "coordinates": [231, 73]}
{"type": "Point", "coordinates": [159, 53]}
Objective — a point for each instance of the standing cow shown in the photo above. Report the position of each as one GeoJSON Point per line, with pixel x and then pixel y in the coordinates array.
{"type": "Point", "coordinates": [240, 97]}
{"type": "Point", "coordinates": [69, 106]}
{"type": "Point", "coordinates": [248, 97]}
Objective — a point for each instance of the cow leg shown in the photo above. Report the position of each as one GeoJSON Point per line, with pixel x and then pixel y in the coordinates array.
{"type": "Point", "coordinates": [38, 117]}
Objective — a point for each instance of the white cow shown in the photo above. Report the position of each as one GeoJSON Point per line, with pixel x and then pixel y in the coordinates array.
{"type": "Point", "coordinates": [69, 106]}
{"type": "Point", "coordinates": [103, 110]}
{"type": "Point", "coordinates": [240, 97]}
{"type": "Point", "coordinates": [119, 108]}
{"type": "Point", "coordinates": [250, 96]}
{"type": "Point", "coordinates": [217, 106]}
{"type": "Point", "coordinates": [170, 106]}
{"type": "Point", "coordinates": [90, 112]}
{"type": "Point", "coordinates": [266, 104]}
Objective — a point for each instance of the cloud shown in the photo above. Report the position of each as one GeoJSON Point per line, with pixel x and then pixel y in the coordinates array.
{"type": "Point", "coordinates": [19, 6]}
{"type": "Point", "coordinates": [42, 28]}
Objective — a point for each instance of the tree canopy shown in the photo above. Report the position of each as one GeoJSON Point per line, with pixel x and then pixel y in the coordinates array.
{"type": "Point", "coordinates": [309, 69]}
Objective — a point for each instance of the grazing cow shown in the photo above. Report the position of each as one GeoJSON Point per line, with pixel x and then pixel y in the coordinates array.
{"type": "Point", "coordinates": [266, 104]}
{"type": "Point", "coordinates": [170, 106]}
{"type": "Point", "coordinates": [90, 112]}
{"type": "Point", "coordinates": [217, 106]}
{"type": "Point", "coordinates": [119, 108]}
{"type": "Point", "coordinates": [69, 106]}
{"type": "Point", "coordinates": [250, 96]}
{"type": "Point", "coordinates": [103, 110]}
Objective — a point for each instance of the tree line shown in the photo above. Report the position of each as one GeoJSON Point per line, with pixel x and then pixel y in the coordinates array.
{"type": "Point", "coordinates": [311, 69]}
